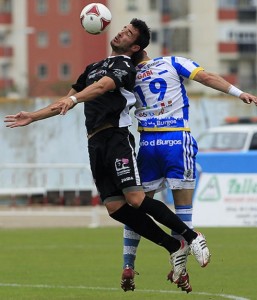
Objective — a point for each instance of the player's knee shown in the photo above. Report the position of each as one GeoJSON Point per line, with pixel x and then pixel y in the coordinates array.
{"type": "Point", "coordinates": [113, 206]}
{"type": "Point", "coordinates": [135, 198]}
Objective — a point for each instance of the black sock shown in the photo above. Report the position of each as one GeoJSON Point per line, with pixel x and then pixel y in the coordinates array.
{"type": "Point", "coordinates": [162, 214]}
{"type": "Point", "coordinates": [144, 225]}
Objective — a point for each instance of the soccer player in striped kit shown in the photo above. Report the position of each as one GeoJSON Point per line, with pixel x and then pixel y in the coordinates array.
{"type": "Point", "coordinates": [167, 149]}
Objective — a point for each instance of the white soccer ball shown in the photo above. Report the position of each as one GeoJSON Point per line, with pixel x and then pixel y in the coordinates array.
{"type": "Point", "coordinates": [95, 18]}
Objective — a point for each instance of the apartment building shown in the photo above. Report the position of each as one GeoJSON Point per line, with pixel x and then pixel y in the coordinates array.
{"type": "Point", "coordinates": [43, 47]}
{"type": "Point", "coordinates": [218, 34]}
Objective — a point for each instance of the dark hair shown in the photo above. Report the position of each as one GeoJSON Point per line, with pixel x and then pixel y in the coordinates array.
{"type": "Point", "coordinates": [137, 57]}
{"type": "Point", "coordinates": [144, 33]}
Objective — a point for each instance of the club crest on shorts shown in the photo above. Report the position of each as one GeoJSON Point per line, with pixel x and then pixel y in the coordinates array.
{"type": "Point", "coordinates": [188, 174]}
{"type": "Point", "coordinates": [122, 166]}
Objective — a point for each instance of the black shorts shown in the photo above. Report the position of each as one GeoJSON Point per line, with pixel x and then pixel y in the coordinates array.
{"type": "Point", "coordinates": [113, 163]}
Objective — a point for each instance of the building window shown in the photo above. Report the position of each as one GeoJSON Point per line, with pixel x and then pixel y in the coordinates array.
{"type": "Point", "coordinates": [178, 9]}
{"type": "Point", "coordinates": [166, 7]}
{"type": "Point", "coordinates": [42, 39]}
{"type": "Point", "coordinates": [5, 6]}
{"type": "Point", "coordinates": [64, 6]}
{"type": "Point", "coordinates": [42, 71]}
{"type": "Point", "coordinates": [246, 3]}
{"type": "Point", "coordinates": [41, 7]}
{"type": "Point", "coordinates": [2, 38]}
{"type": "Point", "coordinates": [153, 4]}
{"type": "Point", "coordinates": [154, 37]}
{"type": "Point", "coordinates": [231, 4]}
{"type": "Point", "coordinates": [5, 67]}
{"type": "Point", "coordinates": [176, 40]}
{"type": "Point", "coordinates": [65, 71]}
{"type": "Point", "coordinates": [245, 37]}
{"type": "Point", "coordinates": [232, 67]}
{"type": "Point", "coordinates": [247, 16]}
{"type": "Point", "coordinates": [231, 35]}
{"type": "Point", "coordinates": [180, 40]}
{"type": "Point", "coordinates": [65, 38]}
{"type": "Point", "coordinates": [131, 5]}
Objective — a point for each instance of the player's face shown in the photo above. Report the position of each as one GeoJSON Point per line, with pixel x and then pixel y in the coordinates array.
{"type": "Point", "coordinates": [125, 39]}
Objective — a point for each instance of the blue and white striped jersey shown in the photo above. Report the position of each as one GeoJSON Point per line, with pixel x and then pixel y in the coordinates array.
{"type": "Point", "coordinates": [162, 102]}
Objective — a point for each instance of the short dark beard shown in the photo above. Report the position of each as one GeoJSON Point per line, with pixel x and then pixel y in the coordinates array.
{"type": "Point", "coordinates": [118, 49]}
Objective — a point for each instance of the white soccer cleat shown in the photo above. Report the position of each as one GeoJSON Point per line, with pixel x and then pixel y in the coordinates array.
{"type": "Point", "coordinates": [200, 250]}
{"type": "Point", "coordinates": [183, 282]}
{"type": "Point", "coordinates": [178, 260]}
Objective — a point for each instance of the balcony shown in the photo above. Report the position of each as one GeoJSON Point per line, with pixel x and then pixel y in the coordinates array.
{"type": "Point", "coordinates": [165, 18]}
{"type": "Point", "coordinates": [6, 51]}
{"type": "Point", "coordinates": [5, 18]}
{"type": "Point", "coordinates": [227, 14]}
{"type": "Point", "coordinates": [5, 83]}
{"type": "Point", "coordinates": [232, 78]}
{"type": "Point", "coordinates": [242, 49]}
{"type": "Point", "coordinates": [228, 47]}
{"type": "Point", "coordinates": [243, 14]}
{"type": "Point", "coordinates": [247, 48]}
{"type": "Point", "coordinates": [247, 15]}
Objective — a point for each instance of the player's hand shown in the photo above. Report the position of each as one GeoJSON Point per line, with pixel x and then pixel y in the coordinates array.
{"type": "Point", "coordinates": [20, 119]}
{"type": "Point", "coordinates": [63, 105]}
{"type": "Point", "coordinates": [248, 98]}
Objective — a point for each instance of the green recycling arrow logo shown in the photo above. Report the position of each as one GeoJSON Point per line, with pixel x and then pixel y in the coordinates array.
{"type": "Point", "coordinates": [211, 191]}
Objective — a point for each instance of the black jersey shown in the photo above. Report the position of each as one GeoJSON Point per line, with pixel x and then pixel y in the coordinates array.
{"type": "Point", "coordinates": [113, 106]}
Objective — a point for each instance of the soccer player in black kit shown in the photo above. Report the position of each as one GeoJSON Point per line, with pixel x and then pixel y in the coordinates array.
{"type": "Point", "coordinates": [106, 88]}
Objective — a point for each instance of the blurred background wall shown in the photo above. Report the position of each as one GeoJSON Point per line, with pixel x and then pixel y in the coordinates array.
{"type": "Point", "coordinates": [43, 49]}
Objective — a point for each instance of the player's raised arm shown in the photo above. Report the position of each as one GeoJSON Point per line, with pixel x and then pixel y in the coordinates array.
{"type": "Point", "coordinates": [218, 83]}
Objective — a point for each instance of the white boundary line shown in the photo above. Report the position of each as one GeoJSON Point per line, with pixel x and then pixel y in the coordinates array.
{"type": "Point", "coordinates": [46, 286]}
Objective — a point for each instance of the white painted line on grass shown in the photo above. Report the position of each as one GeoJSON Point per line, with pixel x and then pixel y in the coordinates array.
{"type": "Point", "coordinates": [47, 286]}
{"type": "Point", "coordinates": [46, 213]}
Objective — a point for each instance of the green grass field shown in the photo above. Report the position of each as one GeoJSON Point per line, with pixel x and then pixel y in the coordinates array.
{"type": "Point", "coordinates": [79, 263]}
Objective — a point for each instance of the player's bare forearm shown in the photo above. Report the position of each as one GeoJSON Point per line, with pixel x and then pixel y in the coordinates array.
{"type": "Point", "coordinates": [24, 118]}
{"type": "Point", "coordinates": [212, 80]}
{"type": "Point", "coordinates": [94, 90]}
{"type": "Point", "coordinates": [217, 82]}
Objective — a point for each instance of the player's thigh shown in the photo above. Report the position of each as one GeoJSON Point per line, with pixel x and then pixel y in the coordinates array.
{"type": "Point", "coordinates": [121, 159]}
{"type": "Point", "coordinates": [148, 159]}
{"type": "Point", "coordinates": [150, 170]}
{"type": "Point", "coordinates": [102, 176]}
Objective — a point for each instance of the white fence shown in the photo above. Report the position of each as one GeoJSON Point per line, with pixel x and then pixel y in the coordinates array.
{"type": "Point", "coordinates": [30, 179]}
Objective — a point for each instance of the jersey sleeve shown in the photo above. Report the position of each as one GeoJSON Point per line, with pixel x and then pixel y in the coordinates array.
{"type": "Point", "coordinates": [123, 73]}
{"type": "Point", "coordinates": [186, 67]}
{"type": "Point", "coordinates": [81, 81]}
